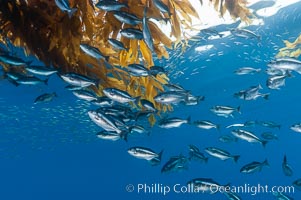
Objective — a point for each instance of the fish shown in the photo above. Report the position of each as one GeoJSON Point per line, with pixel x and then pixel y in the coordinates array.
{"type": "Point", "coordinates": [132, 33]}
{"type": "Point", "coordinates": [31, 80]}
{"type": "Point", "coordinates": [173, 122]}
{"type": "Point", "coordinates": [254, 167]}
{"type": "Point", "coordinates": [171, 97]}
{"type": "Point", "coordinates": [286, 168]}
{"type": "Point", "coordinates": [47, 97]}
{"type": "Point", "coordinates": [104, 121]}
{"type": "Point", "coordinates": [155, 70]}
{"type": "Point", "coordinates": [248, 136]}
{"type": "Point", "coordinates": [227, 139]}
{"type": "Point", "coordinates": [117, 44]}
{"type": "Point", "coordinates": [138, 129]}
{"type": "Point", "coordinates": [277, 81]}
{"type": "Point", "coordinates": [235, 125]}
{"type": "Point", "coordinates": [103, 102]}
{"type": "Point", "coordinates": [65, 7]}
{"type": "Point", "coordinates": [147, 37]}
{"type": "Point", "coordinates": [137, 70]}
{"type": "Point", "coordinates": [73, 87]}
{"type": "Point", "coordinates": [40, 70]}
{"type": "Point", "coordinates": [269, 136]}
{"type": "Point", "coordinates": [120, 96]}
{"type": "Point", "coordinates": [78, 80]}
{"type": "Point", "coordinates": [205, 185]}
{"type": "Point", "coordinates": [175, 163]}
{"type": "Point", "coordinates": [211, 32]}
{"type": "Point", "coordinates": [296, 127]}
{"type": "Point", "coordinates": [244, 33]}
{"type": "Point", "coordinates": [205, 124]}
{"type": "Point", "coordinates": [85, 95]}
{"type": "Point", "coordinates": [195, 154]}
{"type": "Point", "coordinates": [221, 154]}
{"type": "Point", "coordinates": [193, 100]}
{"type": "Point", "coordinates": [108, 135]}
{"type": "Point", "coordinates": [269, 124]}
{"type": "Point", "coordinates": [145, 153]}
{"type": "Point", "coordinates": [224, 111]}
{"type": "Point", "coordinates": [161, 6]}
{"type": "Point", "coordinates": [281, 196]}
{"type": "Point", "coordinates": [275, 72]}
{"type": "Point", "coordinates": [148, 105]}
{"type": "Point", "coordinates": [251, 93]}
{"type": "Point", "coordinates": [127, 18]}
{"type": "Point", "coordinates": [110, 5]}
{"type": "Point", "coordinates": [175, 87]}
{"type": "Point", "coordinates": [290, 64]}
{"type": "Point", "coordinates": [247, 70]}
{"type": "Point", "coordinates": [93, 52]}
{"type": "Point", "coordinates": [231, 196]}
{"type": "Point", "coordinates": [12, 60]}
{"type": "Point", "coordinates": [297, 184]}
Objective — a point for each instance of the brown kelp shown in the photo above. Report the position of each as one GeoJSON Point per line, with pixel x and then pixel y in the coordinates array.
{"type": "Point", "coordinates": [54, 37]}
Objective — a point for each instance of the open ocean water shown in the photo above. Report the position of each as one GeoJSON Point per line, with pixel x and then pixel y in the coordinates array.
{"type": "Point", "coordinates": [50, 150]}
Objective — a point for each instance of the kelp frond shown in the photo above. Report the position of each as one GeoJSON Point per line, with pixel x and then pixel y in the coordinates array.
{"type": "Point", "coordinates": [291, 49]}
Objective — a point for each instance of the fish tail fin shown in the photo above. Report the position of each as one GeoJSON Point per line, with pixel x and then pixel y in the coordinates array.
{"type": "Point", "coordinates": [124, 135]}
{"type": "Point", "coordinates": [200, 98]}
{"type": "Point", "coordinates": [284, 159]}
{"type": "Point", "coordinates": [266, 96]}
{"type": "Point", "coordinates": [238, 109]}
{"type": "Point", "coordinates": [189, 120]}
{"type": "Point", "coordinates": [264, 142]}
{"type": "Point", "coordinates": [160, 154]}
{"type": "Point", "coordinates": [46, 81]}
{"type": "Point", "coordinates": [220, 35]}
{"type": "Point", "coordinates": [235, 158]}
{"type": "Point", "coordinates": [206, 159]}
{"type": "Point", "coordinates": [71, 12]}
{"type": "Point", "coordinates": [218, 127]}
{"type": "Point", "coordinates": [266, 163]}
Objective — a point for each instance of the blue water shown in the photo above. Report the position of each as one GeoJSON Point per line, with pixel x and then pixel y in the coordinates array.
{"type": "Point", "coordinates": [50, 151]}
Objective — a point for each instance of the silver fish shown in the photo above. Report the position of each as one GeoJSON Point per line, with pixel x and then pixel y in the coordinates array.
{"type": "Point", "coordinates": [244, 33]}
{"type": "Point", "coordinates": [110, 5]}
{"type": "Point", "coordinates": [127, 18]}
{"type": "Point", "coordinates": [254, 167]}
{"type": "Point", "coordinates": [171, 97]}
{"type": "Point", "coordinates": [286, 168]}
{"type": "Point", "coordinates": [11, 60]}
{"type": "Point", "coordinates": [269, 136]}
{"type": "Point", "coordinates": [40, 70]}
{"type": "Point", "coordinates": [144, 153]}
{"type": "Point", "coordinates": [148, 105]}
{"type": "Point", "coordinates": [248, 136]}
{"type": "Point", "coordinates": [138, 70]}
{"type": "Point", "coordinates": [78, 80]}
{"type": "Point", "coordinates": [224, 111]}
{"type": "Point", "coordinates": [231, 196]}
{"type": "Point", "coordinates": [221, 154]}
{"type": "Point", "coordinates": [119, 95]}
{"type": "Point", "coordinates": [281, 196]}
{"type": "Point", "coordinates": [176, 163]}
{"type": "Point", "coordinates": [93, 52]}
{"type": "Point", "coordinates": [251, 93]}
{"type": "Point", "coordinates": [47, 97]}
{"type": "Point", "coordinates": [148, 39]}
{"type": "Point", "coordinates": [205, 124]}
{"type": "Point", "coordinates": [286, 64]}
{"type": "Point", "coordinates": [65, 7]}
{"type": "Point", "coordinates": [85, 95]}
{"type": "Point", "coordinates": [297, 184]}
{"type": "Point", "coordinates": [132, 33]}
{"type": "Point", "coordinates": [247, 70]}
{"type": "Point", "coordinates": [296, 127]}
{"type": "Point", "coordinates": [104, 121]}
{"type": "Point", "coordinates": [161, 6]}
{"type": "Point", "coordinates": [31, 80]}
{"type": "Point", "coordinates": [205, 185]}
{"type": "Point", "coordinates": [117, 44]}
{"type": "Point", "coordinates": [173, 122]}
{"type": "Point", "coordinates": [108, 135]}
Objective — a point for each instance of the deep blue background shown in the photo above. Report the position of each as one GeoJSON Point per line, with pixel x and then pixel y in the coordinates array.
{"type": "Point", "coordinates": [49, 151]}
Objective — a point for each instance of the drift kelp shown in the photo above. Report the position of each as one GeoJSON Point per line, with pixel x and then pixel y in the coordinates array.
{"type": "Point", "coordinates": [66, 40]}
{"type": "Point", "coordinates": [291, 49]}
